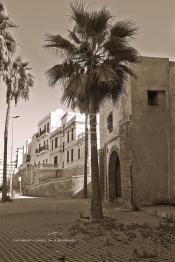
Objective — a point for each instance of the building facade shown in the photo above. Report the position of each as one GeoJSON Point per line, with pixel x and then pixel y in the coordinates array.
{"type": "Point", "coordinates": [45, 127]}
{"type": "Point", "coordinates": [11, 166]}
{"type": "Point", "coordinates": [137, 145]}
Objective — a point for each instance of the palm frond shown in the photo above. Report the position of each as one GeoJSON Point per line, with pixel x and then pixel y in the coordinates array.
{"type": "Point", "coordinates": [105, 74]}
{"type": "Point", "coordinates": [97, 22]}
{"type": "Point", "coordinates": [75, 87]}
{"type": "Point", "coordinates": [78, 14]}
{"type": "Point", "coordinates": [62, 71]}
{"type": "Point", "coordinates": [128, 70]}
{"type": "Point", "coordinates": [73, 36]}
{"type": "Point", "coordinates": [125, 28]}
{"type": "Point", "coordinates": [57, 43]}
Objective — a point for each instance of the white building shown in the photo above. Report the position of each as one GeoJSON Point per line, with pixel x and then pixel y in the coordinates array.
{"type": "Point", "coordinates": [45, 126]}
{"type": "Point", "coordinates": [10, 169]}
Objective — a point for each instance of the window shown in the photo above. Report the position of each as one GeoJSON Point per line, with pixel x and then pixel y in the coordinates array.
{"type": "Point", "coordinates": [72, 134]}
{"type": "Point", "coordinates": [63, 129]}
{"type": "Point", "coordinates": [72, 155]}
{"type": "Point", "coordinates": [43, 162]}
{"type": "Point", "coordinates": [63, 165]}
{"type": "Point", "coordinates": [48, 129]}
{"type": "Point", "coordinates": [55, 160]}
{"type": "Point", "coordinates": [56, 142]}
{"type": "Point", "coordinates": [156, 98]}
{"type": "Point", "coordinates": [110, 122]}
{"type": "Point", "coordinates": [68, 136]}
{"type": "Point", "coordinates": [78, 153]}
{"type": "Point", "coordinates": [63, 146]}
{"type": "Point", "coordinates": [67, 156]}
{"type": "Point", "coordinates": [52, 144]}
{"type": "Point", "coordinates": [46, 161]}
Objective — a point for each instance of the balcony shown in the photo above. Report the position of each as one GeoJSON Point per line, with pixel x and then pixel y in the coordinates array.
{"type": "Point", "coordinates": [42, 132]}
{"type": "Point", "coordinates": [43, 148]}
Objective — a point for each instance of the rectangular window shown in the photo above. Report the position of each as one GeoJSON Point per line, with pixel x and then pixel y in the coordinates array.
{"type": "Point", "coordinates": [48, 129]}
{"type": "Point", "coordinates": [63, 129]}
{"type": "Point", "coordinates": [55, 160]}
{"type": "Point", "coordinates": [63, 165]}
{"type": "Point", "coordinates": [56, 142]}
{"type": "Point", "coordinates": [52, 144]}
{"type": "Point", "coordinates": [72, 155]}
{"type": "Point", "coordinates": [68, 136]}
{"type": "Point", "coordinates": [110, 122]}
{"type": "Point", "coordinates": [67, 156]}
{"type": "Point", "coordinates": [72, 134]}
{"type": "Point", "coordinates": [156, 98]}
{"type": "Point", "coordinates": [63, 146]}
{"type": "Point", "coordinates": [78, 153]}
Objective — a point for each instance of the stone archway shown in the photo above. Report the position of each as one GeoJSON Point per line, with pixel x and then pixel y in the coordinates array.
{"type": "Point", "coordinates": [114, 177]}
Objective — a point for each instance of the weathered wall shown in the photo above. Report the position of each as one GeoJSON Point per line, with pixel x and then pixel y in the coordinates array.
{"type": "Point", "coordinates": [126, 164]}
{"type": "Point", "coordinates": [50, 182]}
{"type": "Point", "coordinates": [65, 187]}
{"type": "Point", "coordinates": [171, 137]}
{"type": "Point", "coordinates": [148, 134]}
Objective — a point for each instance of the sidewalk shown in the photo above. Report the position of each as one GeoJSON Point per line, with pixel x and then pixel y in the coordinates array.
{"type": "Point", "coordinates": [163, 211]}
{"type": "Point", "coordinates": [50, 230]}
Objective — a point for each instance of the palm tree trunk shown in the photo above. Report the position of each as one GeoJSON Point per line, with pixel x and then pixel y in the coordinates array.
{"type": "Point", "coordinates": [86, 156]}
{"type": "Point", "coordinates": [96, 205]}
{"type": "Point", "coordinates": [4, 188]}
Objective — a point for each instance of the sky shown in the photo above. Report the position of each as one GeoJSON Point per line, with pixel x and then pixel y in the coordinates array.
{"type": "Point", "coordinates": [35, 18]}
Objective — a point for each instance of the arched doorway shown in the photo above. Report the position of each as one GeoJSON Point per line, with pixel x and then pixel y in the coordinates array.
{"type": "Point", "coordinates": [114, 177]}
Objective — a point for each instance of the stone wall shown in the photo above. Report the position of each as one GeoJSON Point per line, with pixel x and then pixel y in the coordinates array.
{"type": "Point", "coordinates": [65, 187]}
{"type": "Point", "coordinates": [149, 132]}
{"type": "Point", "coordinates": [125, 165]}
{"type": "Point", "coordinates": [171, 134]}
{"type": "Point", "coordinates": [66, 182]}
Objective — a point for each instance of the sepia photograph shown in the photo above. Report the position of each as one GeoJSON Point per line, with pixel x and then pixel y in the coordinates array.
{"type": "Point", "coordinates": [87, 133]}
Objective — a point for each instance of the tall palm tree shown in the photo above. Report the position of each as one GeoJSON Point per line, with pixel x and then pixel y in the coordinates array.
{"type": "Point", "coordinates": [18, 81]}
{"type": "Point", "coordinates": [7, 42]}
{"type": "Point", "coordinates": [94, 68]}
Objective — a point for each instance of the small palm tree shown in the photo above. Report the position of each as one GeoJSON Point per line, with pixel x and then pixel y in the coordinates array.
{"type": "Point", "coordinates": [94, 68]}
{"type": "Point", "coordinates": [18, 81]}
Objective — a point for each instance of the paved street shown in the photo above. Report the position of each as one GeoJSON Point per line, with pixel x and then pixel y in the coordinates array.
{"type": "Point", "coordinates": [46, 229]}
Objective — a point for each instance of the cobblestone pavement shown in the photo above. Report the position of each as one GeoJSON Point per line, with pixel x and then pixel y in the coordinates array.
{"type": "Point", "coordinates": [46, 229]}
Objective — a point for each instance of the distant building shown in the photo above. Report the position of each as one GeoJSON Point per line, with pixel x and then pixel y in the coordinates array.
{"type": "Point", "coordinates": [137, 138]}
{"type": "Point", "coordinates": [10, 169]}
{"type": "Point", "coordinates": [45, 126]}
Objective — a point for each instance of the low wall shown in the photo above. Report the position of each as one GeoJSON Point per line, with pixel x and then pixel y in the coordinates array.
{"type": "Point", "coordinates": [65, 187]}
{"type": "Point", "coordinates": [66, 183]}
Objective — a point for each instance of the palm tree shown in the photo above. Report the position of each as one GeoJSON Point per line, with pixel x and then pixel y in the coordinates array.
{"type": "Point", "coordinates": [7, 42]}
{"type": "Point", "coordinates": [94, 68]}
{"type": "Point", "coordinates": [18, 81]}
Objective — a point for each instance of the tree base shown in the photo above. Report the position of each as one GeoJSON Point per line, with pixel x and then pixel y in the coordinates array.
{"type": "Point", "coordinates": [6, 199]}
